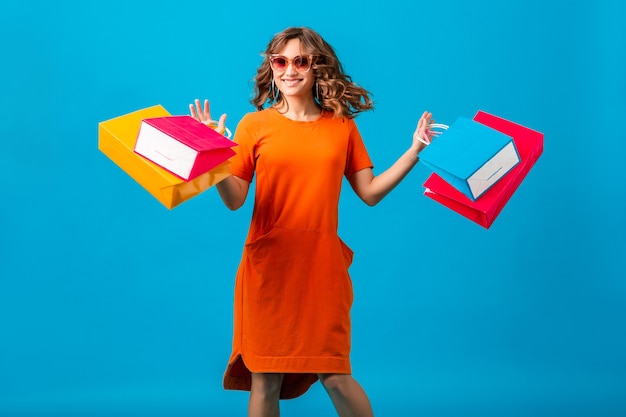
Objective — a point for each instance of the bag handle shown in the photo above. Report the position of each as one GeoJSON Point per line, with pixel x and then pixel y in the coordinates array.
{"type": "Point", "coordinates": [432, 132]}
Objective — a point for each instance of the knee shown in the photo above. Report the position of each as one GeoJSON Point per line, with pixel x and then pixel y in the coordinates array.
{"type": "Point", "coordinates": [267, 385]}
{"type": "Point", "coordinates": [335, 383]}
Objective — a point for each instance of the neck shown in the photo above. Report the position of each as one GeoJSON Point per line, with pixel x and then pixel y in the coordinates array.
{"type": "Point", "coordinates": [299, 110]}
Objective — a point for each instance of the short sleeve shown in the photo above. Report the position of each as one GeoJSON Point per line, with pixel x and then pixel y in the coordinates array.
{"type": "Point", "coordinates": [357, 157]}
{"type": "Point", "coordinates": [242, 164]}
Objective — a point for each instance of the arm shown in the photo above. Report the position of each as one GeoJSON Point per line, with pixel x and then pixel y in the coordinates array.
{"type": "Point", "coordinates": [372, 189]}
{"type": "Point", "coordinates": [233, 190]}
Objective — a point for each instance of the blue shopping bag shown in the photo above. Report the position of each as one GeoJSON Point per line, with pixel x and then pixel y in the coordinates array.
{"type": "Point", "coordinates": [470, 156]}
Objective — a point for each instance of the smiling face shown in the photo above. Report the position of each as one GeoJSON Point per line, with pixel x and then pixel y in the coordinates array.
{"type": "Point", "coordinates": [293, 84]}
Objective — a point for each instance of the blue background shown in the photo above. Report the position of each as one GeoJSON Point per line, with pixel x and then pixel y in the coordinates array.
{"type": "Point", "coordinates": [111, 304]}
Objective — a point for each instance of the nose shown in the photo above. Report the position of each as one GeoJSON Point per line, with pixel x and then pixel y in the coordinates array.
{"type": "Point", "coordinates": [291, 69]}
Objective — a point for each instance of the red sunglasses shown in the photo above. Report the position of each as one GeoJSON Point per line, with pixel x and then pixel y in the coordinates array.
{"type": "Point", "coordinates": [302, 63]}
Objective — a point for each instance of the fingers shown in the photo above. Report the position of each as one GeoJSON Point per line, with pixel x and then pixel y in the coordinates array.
{"type": "Point", "coordinates": [196, 111]}
{"type": "Point", "coordinates": [207, 110]}
{"type": "Point", "coordinates": [201, 116]}
{"type": "Point", "coordinates": [221, 123]}
{"type": "Point", "coordinates": [421, 136]}
{"type": "Point", "coordinates": [192, 111]}
{"type": "Point", "coordinates": [199, 112]}
{"type": "Point", "coordinates": [425, 120]}
{"type": "Point", "coordinates": [423, 132]}
{"type": "Point", "coordinates": [202, 113]}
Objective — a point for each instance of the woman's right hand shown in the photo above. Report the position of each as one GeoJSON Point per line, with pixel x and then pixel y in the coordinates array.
{"type": "Point", "coordinates": [204, 115]}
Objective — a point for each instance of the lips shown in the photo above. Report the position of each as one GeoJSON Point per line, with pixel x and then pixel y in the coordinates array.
{"type": "Point", "coordinates": [291, 82]}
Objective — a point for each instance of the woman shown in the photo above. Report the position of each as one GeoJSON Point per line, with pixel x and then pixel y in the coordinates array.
{"type": "Point", "coordinates": [293, 293]}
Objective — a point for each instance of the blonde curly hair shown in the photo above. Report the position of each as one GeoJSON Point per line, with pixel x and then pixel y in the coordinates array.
{"type": "Point", "coordinates": [334, 91]}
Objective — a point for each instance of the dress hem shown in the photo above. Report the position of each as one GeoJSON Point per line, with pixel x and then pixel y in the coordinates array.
{"type": "Point", "coordinates": [296, 382]}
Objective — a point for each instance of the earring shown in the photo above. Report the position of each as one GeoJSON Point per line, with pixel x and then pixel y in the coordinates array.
{"type": "Point", "coordinates": [273, 91]}
{"type": "Point", "coordinates": [317, 93]}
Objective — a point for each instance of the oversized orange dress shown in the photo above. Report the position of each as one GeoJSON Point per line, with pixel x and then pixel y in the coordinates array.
{"type": "Point", "coordinates": [293, 293]}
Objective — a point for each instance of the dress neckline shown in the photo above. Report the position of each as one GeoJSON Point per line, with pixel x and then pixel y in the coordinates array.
{"type": "Point", "coordinates": [322, 115]}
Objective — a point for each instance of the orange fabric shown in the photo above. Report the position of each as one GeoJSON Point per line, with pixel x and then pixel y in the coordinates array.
{"type": "Point", "coordinates": [293, 293]}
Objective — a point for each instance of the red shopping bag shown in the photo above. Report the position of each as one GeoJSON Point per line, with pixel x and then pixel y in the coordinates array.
{"type": "Point", "coordinates": [182, 145]}
{"type": "Point", "coordinates": [484, 210]}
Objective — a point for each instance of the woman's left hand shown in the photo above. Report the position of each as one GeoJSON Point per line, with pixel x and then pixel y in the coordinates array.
{"type": "Point", "coordinates": [423, 133]}
{"type": "Point", "coordinates": [204, 115]}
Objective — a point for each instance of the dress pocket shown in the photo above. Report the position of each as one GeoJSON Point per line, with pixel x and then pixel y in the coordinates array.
{"type": "Point", "coordinates": [265, 250]}
{"type": "Point", "coordinates": [348, 254]}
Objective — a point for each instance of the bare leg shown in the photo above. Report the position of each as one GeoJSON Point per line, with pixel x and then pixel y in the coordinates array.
{"type": "Point", "coordinates": [264, 395]}
{"type": "Point", "coordinates": [347, 395]}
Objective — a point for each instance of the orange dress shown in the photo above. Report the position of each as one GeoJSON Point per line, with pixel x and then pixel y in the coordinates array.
{"type": "Point", "coordinates": [293, 293]}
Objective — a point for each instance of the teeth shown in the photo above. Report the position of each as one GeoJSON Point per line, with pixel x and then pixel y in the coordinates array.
{"type": "Point", "coordinates": [291, 83]}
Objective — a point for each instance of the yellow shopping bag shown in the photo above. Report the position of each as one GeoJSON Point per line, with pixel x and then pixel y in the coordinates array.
{"type": "Point", "coordinates": [116, 139]}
